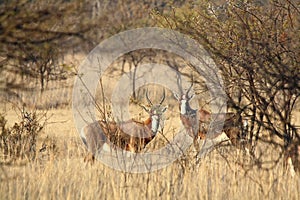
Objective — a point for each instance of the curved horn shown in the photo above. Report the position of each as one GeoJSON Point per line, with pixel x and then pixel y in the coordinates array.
{"type": "Point", "coordinates": [149, 101]}
{"type": "Point", "coordinates": [178, 76]}
{"type": "Point", "coordinates": [163, 97]}
{"type": "Point", "coordinates": [187, 92]}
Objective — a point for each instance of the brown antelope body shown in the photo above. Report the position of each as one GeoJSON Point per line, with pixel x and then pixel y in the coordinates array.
{"type": "Point", "coordinates": [100, 133]}
{"type": "Point", "coordinates": [234, 127]}
{"type": "Point", "coordinates": [196, 122]}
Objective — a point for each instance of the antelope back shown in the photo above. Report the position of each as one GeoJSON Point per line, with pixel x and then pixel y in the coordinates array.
{"type": "Point", "coordinates": [204, 116]}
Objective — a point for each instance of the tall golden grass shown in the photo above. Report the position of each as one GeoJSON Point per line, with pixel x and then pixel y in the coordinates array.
{"type": "Point", "coordinates": [62, 174]}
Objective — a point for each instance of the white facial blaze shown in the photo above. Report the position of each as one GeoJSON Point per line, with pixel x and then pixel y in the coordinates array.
{"type": "Point", "coordinates": [154, 123]}
{"type": "Point", "coordinates": [183, 110]}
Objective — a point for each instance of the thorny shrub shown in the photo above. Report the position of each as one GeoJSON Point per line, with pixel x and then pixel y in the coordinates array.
{"type": "Point", "coordinates": [19, 141]}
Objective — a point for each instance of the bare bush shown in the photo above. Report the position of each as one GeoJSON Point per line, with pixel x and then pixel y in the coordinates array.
{"type": "Point", "coordinates": [257, 50]}
{"type": "Point", "coordinates": [19, 141]}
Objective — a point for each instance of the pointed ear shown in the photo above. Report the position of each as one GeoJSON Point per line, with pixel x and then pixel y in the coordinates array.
{"type": "Point", "coordinates": [146, 109]}
{"type": "Point", "coordinates": [192, 96]}
{"type": "Point", "coordinates": [164, 109]}
{"type": "Point", "coordinates": [176, 96]}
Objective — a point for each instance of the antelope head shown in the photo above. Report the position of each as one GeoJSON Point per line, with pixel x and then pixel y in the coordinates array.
{"type": "Point", "coordinates": [155, 112]}
{"type": "Point", "coordinates": [184, 97]}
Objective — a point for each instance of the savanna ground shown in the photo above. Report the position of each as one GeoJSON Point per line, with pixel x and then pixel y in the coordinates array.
{"type": "Point", "coordinates": [244, 37]}
{"type": "Point", "coordinates": [59, 172]}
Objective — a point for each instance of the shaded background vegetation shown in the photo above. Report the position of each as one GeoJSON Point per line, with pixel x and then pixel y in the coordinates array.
{"type": "Point", "coordinates": [256, 46]}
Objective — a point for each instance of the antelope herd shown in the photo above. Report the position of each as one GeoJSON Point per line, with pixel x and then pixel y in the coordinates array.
{"type": "Point", "coordinates": [104, 135]}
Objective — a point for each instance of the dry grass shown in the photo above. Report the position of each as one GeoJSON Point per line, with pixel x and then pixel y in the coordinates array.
{"type": "Point", "coordinates": [60, 173]}
{"type": "Point", "coordinates": [63, 175]}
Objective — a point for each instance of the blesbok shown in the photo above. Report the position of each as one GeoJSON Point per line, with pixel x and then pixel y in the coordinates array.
{"type": "Point", "coordinates": [101, 135]}
{"type": "Point", "coordinates": [196, 122]}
